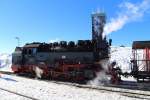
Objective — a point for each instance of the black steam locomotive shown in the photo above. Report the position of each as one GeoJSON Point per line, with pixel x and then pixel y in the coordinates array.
{"type": "Point", "coordinates": [65, 60]}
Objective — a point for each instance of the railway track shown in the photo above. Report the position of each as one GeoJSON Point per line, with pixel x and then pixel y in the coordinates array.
{"type": "Point", "coordinates": [132, 91]}
{"type": "Point", "coordinates": [13, 92]}
{"type": "Point", "coordinates": [25, 96]}
{"type": "Point", "coordinates": [112, 89]}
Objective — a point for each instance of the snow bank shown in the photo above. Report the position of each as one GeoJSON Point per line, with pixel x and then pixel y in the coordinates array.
{"type": "Point", "coordinates": [5, 62]}
{"type": "Point", "coordinates": [122, 55]}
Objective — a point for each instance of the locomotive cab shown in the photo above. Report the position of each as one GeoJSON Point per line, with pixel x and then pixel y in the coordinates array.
{"type": "Point", "coordinates": [17, 59]}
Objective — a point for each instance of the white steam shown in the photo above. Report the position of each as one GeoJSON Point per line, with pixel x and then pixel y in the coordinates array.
{"type": "Point", "coordinates": [102, 76]}
{"type": "Point", "coordinates": [130, 12]}
{"type": "Point", "coordinates": [38, 72]}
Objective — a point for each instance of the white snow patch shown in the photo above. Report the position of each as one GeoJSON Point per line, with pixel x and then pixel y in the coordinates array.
{"type": "Point", "coordinates": [52, 91]}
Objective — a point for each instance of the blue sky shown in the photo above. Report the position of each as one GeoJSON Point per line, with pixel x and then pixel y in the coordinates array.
{"type": "Point", "coordinates": [45, 20]}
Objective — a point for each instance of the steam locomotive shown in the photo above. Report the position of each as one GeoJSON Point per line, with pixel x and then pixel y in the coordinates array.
{"type": "Point", "coordinates": [65, 60]}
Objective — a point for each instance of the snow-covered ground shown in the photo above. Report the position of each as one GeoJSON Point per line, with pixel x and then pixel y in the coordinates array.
{"type": "Point", "coordinates": [51, 91]}
{"type": "Point", "coordinates": [10, 96]}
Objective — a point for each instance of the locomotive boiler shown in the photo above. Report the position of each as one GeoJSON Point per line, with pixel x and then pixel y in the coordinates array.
{"type": "Point", "coordinates": [65, 60]}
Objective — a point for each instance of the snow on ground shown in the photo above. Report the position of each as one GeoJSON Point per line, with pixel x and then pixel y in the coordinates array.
{"type": "Point", "coordinates": [10, 96]}
{"type": "Point", "coordinates": [52, 91]}
{"type": "Point", "coordinates": [128, 79]}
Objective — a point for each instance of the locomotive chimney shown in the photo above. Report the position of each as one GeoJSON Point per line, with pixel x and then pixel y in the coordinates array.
{"type": "Point", "coordinates": [98, 22]}
{"type": "Point", "coordinates": [99, 40]}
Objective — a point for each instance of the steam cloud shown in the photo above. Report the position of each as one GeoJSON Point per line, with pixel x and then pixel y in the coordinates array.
{"type": "Point", "coordinates": [130, 12]}
{"type": "Point", "coordinates": [38, 72]}
{"type": "Point", "coordinates": [102, 78]}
